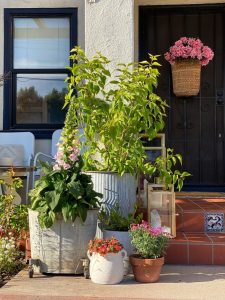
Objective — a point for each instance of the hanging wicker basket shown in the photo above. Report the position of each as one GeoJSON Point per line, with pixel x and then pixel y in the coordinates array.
{"type": "Point", "coordinates": [186, 78]}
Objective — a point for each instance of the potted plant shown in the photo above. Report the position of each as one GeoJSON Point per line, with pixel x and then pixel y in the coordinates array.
{"type": "Point", "coordinates": [186, 57]}
{"type": "Point", "coordinates": [13, 228]}
{"type": "Point", "coordinates": [111, 114]}
{"type": "Point", "coordinates": [114, 223]}
{"type": "Point", "coordinates": [13, 216]}
{"type": "Point", "coordinates": [106, 260]}
{"type": "Point", "coordinates": [150, 244]}
{"type": "Point", "coordinates": [63, 215]}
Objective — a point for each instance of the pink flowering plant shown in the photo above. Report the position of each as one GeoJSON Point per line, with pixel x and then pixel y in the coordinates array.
{"type": "Point", "coordinates": [149, 242]}
{"type": "Point", "coordinates": [64, 190]}
{"type": "Point", "coordinates": [189, 48]}
{"type": "Point", "coordinates": [104, 246]}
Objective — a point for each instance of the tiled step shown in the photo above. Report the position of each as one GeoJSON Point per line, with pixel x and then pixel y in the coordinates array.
{"type": "Point", "coordinates": [193, 214]}
{"type": "Point", "coordinates": [197, 249]}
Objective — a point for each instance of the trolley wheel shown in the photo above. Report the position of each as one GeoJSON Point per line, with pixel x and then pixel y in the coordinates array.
{"type": "Point", "coordinates": [86, 275]}
{"type": "Point", "coordinates": [31, 273]}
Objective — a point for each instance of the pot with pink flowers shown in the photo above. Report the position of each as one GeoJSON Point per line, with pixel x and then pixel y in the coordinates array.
{"type": "Point", "coordinates": [64, 212]}
{"type": "Point", "coordinates": [150, 244]}
{"type": "Point", "coordinates": [186, 57]}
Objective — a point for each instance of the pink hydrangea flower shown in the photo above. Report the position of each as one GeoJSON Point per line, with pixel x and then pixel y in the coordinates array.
{"type": "Point", "coordinates": [192, 48]}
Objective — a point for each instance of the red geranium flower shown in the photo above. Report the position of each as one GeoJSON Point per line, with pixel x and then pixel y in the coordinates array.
{"type": "Point", "coordinates": [104, 246]}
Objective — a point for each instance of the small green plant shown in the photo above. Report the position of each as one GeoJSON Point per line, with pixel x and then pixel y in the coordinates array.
{"type": "Point", "coordinates": [164, 168]}
{"type": "Point", "coordinates": [63, 190]}
{"type": "Point", "coordinates": [13, 217]}
{"type": "Point", "coordinates": [114, 219]}
{"type": "Point", "coordinates": [149, 242]}
{"type": "Point", "coordinates": [11, 260]}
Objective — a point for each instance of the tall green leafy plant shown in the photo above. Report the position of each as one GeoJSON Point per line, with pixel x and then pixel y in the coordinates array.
{"type": "Point", "coordinates": [113, 112]}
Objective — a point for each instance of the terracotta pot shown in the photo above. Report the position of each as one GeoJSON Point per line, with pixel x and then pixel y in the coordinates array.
{"type": "Point", "coordinates": [146, 269]}
{"type": "Point", "coordinates": [21, 244]}
{"type": "Point", "coordinates": [28, 249]}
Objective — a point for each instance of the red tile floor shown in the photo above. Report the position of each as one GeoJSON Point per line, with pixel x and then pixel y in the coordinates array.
{"type": "Point", "coordinates": [193, 243]}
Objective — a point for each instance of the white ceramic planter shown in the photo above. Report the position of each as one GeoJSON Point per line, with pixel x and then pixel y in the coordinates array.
{"type": "Point", "coordinates": [124, 238]}
{"type": "Point", "coordinates": [107, 269]}
{"type": "Point", "coordinates": [59, 249]}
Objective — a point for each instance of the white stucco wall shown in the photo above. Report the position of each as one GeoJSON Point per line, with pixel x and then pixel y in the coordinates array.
{"type": "Point", "coordinates": [41, 145]}
{"type": "Point", "coordinates": [109, 28]}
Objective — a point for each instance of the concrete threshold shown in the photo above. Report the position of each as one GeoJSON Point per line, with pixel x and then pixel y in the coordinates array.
{"type": "Point", "coordinates": [176, 283]}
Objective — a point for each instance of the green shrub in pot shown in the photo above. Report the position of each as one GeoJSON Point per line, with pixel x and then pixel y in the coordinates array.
{"type": "Point", "coordinates": [112, 112]}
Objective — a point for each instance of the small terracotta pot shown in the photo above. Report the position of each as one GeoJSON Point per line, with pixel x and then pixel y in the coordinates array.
{"type": "Point", "coordinates": [21, 244]}
{"type": "Point", "coordinates": [28, 249]}
{"type": "Point", "coordinates": [146, 269]}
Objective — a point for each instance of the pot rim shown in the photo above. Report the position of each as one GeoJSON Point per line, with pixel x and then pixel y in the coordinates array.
{"type": "Point", "coordinates": [138, 256]}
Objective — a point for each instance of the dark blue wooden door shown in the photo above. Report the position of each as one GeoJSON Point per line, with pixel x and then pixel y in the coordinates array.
{"type": "Point", "coordinates": [195, 125]}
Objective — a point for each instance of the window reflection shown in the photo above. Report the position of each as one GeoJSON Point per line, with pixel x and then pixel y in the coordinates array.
{"type": "Point", "coordinates": [41, 43]}
{"type": "Point", "coordinates": [40, 98]}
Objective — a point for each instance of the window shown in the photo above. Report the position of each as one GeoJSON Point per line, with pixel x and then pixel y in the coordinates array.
{"type": "Point", "coordinates": [37, 46]}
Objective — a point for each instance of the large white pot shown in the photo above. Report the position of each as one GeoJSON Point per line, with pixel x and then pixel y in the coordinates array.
{"type": "Point", "coordinates": [107, 269]}
{"type": "Point", "coordinates": [59, 249]}
{"type": "Point", "coordinates": [116, 189]}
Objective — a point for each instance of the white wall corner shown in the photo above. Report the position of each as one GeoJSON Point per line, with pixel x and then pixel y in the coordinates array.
{"type": "Point", "coordinates": [109, 28]}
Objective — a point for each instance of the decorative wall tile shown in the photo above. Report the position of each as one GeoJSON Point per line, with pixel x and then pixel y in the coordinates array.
{"type": "Point", "coordinates": [214, 222]}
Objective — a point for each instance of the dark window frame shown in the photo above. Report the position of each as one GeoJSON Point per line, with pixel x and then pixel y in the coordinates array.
{"type": "Point", "coordinates": [41, 131]}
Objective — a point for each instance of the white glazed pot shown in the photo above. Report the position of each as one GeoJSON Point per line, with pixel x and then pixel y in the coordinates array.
{"type": "Point", "coordinates": [124, 238]}
{"type": "Point", "coordinates": [107, 269]}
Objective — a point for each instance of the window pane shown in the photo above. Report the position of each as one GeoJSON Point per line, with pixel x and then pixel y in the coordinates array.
{"type": "Point", "coordinates": [41, 43]}
{"type": "Point", "coordinates": [40, 98]}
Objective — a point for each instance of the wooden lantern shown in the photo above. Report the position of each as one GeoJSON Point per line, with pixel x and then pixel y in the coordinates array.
{"type": "Point", "coordinates": [161, 207]}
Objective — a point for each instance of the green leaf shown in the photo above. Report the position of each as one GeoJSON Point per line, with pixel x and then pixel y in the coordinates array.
{"type": "Point", "coordinates": [53, 199]}
{"type": "Point", "coordinates": [65, 212]}
{"type": "Point", "coordinates": [82, 213]}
